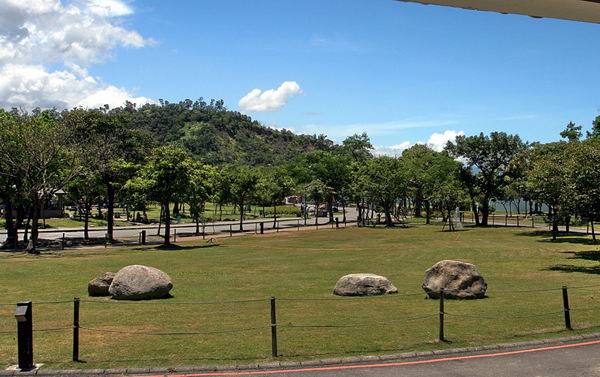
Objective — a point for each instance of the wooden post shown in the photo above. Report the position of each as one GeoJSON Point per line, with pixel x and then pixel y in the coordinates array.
{"type": "Point", "coordinates": [566, 308]}
{"type": "Point", "coordinates": [273, 328]}
{"type": "Point", "coordinates": [442, 315]}
{"type": "Point", "coordinates": [76, 329]}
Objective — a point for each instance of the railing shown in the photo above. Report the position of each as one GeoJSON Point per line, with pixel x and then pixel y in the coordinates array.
{"type": "Point", "coordinates": [279, 307]}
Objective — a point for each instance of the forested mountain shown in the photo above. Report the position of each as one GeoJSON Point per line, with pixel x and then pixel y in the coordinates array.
{"type": "Point", "coordinates": [217, 136]}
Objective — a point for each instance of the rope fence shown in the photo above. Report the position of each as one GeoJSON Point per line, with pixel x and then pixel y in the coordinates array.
{"type": "Point", "coordinates": [270, 319]}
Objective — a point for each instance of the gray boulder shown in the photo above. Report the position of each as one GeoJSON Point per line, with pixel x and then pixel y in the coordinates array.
{"type": "Point", "coordinates": [138, 282]}
{"type": "Point", "coordinates": [459, 280]}
{"type": "Point", "coordinates": [363, 285]}
{"type": "Point", "coordinates": [99, 286]}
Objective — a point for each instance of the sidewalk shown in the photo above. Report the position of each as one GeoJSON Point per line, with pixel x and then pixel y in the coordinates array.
{"type": "Point", "coordinates": [298, 365]}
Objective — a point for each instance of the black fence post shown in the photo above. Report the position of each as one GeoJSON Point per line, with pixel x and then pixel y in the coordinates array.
{"type": "Point", "coordinates": [76, 302]}
{"type": "Point", "coordinates": [24, 317]}
{"type": "Point", "coordinates": [566, 308]}
{"type": "Point", "coordinates": [273, 328]}
{"type": "Point", "coordinates": [442, 315]}
{"type": "Point", "coordinates": [262, 228]}
{"type": "Point", "coordinates": [63, 243]}
{"type": "Point", "coordinates": [337, 223]}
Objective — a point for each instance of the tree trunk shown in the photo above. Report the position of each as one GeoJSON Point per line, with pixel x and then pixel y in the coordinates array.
{"type": "Point", "coordinates": [418, 202]}
{"type": "Point", "coordinates": [110, 222]}
{"type": "Point", "coordinates": [388, 217]}
{"type": "Point", "coordinates": [31, 245]}
{"type": "Point", "coordinates": [427, 212]}
{"type": "Point", "coordinates": [160, 219]}
{"type": "Point", "coordinates": [330, 209]}
{"type": "Point", "coordinates": [241, 215]}
{"type": "Point", "coordinates": [167, 224]}
{"type": "Point", "coordinates": [274, 215]}
{"type": "Point", "coordinates": [11, 230]}
{"type": "Point", "coordinates": [86, 224]}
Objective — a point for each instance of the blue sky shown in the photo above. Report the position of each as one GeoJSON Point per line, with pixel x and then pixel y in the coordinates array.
{"type": "Point", "coordinates": [402, 72]}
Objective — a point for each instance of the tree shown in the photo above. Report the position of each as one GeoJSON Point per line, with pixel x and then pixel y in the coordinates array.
{"type": "Point", "coordinates": [359, 147]}
{"type": "Point", "coordinates": [384, 180]}
{"type": "Point", "coordinates": [572, 132]}
{"type": "Point", "coordinates": [85, 190]}
{"type": "Point", "coordinates": [487, 157]}
{"type": "Point", "coordinates": [332, 170]}
{"type": "Point", "coordinates": [585, 167]}
{"type": "Point", "coordinates": [243, 181]}
{"type": "Point", "coordinates": [550, 180]}
{"type": "Point", "coordinates": [165, 179]}
{"type": "Point", "coordinates": [41, 155]}
{"type": "Point", "coordinates": [427, 170]}
{"type": "Point", "coordinates": [277, 184]}
{"type": "Point", "coordinates": [203, 184]}
{"type": "Point", "coordinates": [119, 151]}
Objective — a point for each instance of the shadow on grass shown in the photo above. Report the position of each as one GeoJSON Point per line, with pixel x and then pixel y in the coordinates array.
{"type": "Point", "coordinates": [561, 237]}
{"type": "Point", "coordinates": [595, 270]}
{"type": "Point", "coordinates": [591, 255]}
{"type": "Point", "coordinates": [177, 247]}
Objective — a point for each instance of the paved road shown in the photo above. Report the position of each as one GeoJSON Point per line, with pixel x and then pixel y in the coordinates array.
{"type": "Point", "coordinates": [560, 361]}
{"type": "Point", "coordinates": [221, 227]}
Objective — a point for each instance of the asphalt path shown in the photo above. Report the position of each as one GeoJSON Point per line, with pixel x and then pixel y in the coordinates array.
{"type": "Point", "coordinates": [571, 360]}
{"type": "Point", "coordinates": [577, 356]}
{"type": "Point", "coordinates": [250, 226]}
{"type": "Point", "coordinates": [563, 360]}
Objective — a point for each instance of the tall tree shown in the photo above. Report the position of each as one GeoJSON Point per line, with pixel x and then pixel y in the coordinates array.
{"type": "Point", "coordinates": [119, 151]}
{"type": "Point", "coordinates": [243, 181]}
{"type": "Point", "coordinates": [384, 181]}
{"type": "Point", "coordinates": [488, 158]}
{"type": "Point", "coordinates": [203, 185]}
{"type": "Point", "coordinates": [331, 169]}
{"type": "Point", "coordinates": [42, 154]}
{"type": "Point", "coordinates": [427, 171]}
{"type": "Point", "coordinates": [550, 180]}
{"type": "Point", "coordinates": [165, 179]}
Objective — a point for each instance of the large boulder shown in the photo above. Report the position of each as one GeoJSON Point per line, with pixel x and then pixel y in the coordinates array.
{"type": "Point", "coordinates": [363, 285]}
{"type": "Point", "coordinates": [459, 280]}
{"type": "Point", "coordinates": [99, 286]}
{"type": "Point", "coordinates": [138, 282]}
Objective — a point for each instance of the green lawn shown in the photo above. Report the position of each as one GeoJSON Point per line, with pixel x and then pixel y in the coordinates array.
{"type": "Point", "coordinates": [300, 269]}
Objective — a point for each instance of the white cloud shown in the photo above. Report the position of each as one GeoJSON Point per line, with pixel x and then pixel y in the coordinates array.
{"type": "Point", "coordinates": [36, 34]}
{"type": "Point", "coordinates": [436, 142]}
{"type": "Point", "coordinates": [270, 100]}
{"type": "Point", "coordinates": [32, 86]}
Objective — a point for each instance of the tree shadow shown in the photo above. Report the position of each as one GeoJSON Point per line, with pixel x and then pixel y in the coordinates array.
{"type": "Point", "coordinates": [595, 270]}
{"type": "Point", "coordinates": [177, 247]}
{"type": "Point", "coordinates": [561, 237]}
{"type": "Point", "coordinates": [591, 255]}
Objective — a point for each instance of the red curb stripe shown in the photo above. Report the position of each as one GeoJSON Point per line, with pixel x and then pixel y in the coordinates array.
{"type": "Point", "coordinates": [385, 365]}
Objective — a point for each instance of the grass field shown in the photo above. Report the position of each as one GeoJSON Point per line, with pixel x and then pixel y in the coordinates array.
{"type": "Point", "coordinates": [228, 286]}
